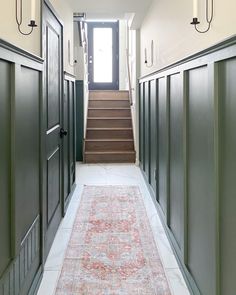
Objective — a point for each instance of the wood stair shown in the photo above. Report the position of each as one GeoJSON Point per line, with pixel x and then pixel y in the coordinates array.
{"type": "Point", "coordinates": [109, 134]}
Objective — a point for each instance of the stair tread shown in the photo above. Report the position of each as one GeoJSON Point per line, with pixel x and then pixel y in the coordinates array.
{"type": "Point", "coordinates": [108, 139]}
{"type": "Point", "coordinates": [109, 152]}
{"type": "Point", "coordinates": [109, 99]}
{"type": "Point", "coordinates": [110, 129]}
{"type": "Point", "coordinates": [109, 118]}
{"type": "Point", "coordinates": [104, 108]}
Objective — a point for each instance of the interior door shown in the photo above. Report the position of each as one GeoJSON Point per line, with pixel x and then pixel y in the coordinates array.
{"type": "Point", "coordinates": [54, 133]}
{"type": "Point", "coordinates": [103, 55]}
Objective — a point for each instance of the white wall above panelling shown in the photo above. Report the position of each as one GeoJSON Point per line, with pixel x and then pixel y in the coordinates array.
{"type": "Point", "coordinates": [112, 9]}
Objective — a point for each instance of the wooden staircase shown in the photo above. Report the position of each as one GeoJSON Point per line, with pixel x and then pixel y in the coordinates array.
{"type": "Point", "coordinates": [109, 134]}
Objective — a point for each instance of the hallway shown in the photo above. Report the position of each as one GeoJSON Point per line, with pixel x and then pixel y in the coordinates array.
{"type": "Point", "coordinates": [110, 175]}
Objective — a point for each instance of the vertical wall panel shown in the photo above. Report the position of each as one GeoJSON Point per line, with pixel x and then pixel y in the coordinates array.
{"type": "Point", "coordinates": [72, 132]}
{"type": "Point", "coordinates": [228, 175]}
{"type": "Point", "coordinates": [5, 193]}
{"type": "Point", "coordinates": [201, 186]}
{"type": "Point", "coordinates": [176, 159]}
{"type": "Point", "coordinates": [141, 126]}
{"type": "Point", "coordinates": [147, 131]}
{"type": "Point", "coordinates": [153, 134]}
{"type": "Point", "coordinates": [163, 143]}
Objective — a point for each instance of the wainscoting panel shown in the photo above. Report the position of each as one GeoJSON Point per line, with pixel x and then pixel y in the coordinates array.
{"type": "Point", "coordinates": [201, 190]}
{"type": "Point", "coordinates": [79, 87]}
{"type": "Point", "coordinates": [141, 127]}
{"type": "Point", "coordinates": [5, 191]}
{"type": "Point", "coordinates": [227, 175]}
{"type": "Point", "coordinates": [147, 131]}
{"type": "Point", "coordinates": [176, 172]}
{"type": "Point", "coordinates": [20, 94]}
{"type": "Point", "coordinates": [153, 134]}
{"type": "Point", "coordinates": [195, 119]}
{"type": "Point", "coordinates": [163, 143]}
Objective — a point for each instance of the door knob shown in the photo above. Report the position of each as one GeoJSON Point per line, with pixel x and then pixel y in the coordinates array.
{"type": "Point", "coordinates": [63, 132]}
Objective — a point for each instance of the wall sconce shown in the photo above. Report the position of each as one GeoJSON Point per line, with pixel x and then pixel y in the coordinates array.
{"type": "Point", "coordinates": [209, 19]}
{"type": "Point", "coordinates": [152, 56]}
{"type": "Point", "coordinates": [19, 17]}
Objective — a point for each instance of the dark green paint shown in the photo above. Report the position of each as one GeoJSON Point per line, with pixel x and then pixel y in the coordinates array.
{"type": "Point", "coordinates": [227, 107]}
{"type": "Point", "coordinates": [176, 172]}
{"type": "Point", "coordinates": [153, 135]}
{"type": "Point", "coordinates": [201, 205]}
{"type": "Point", "coordinates": [196, 167]}
{"type": "Point", "coordinates": [163, 144]}
{"type": "Point", "coordinates": [79, 119]}
{"type": "Point", "coordinates": [5, 191]}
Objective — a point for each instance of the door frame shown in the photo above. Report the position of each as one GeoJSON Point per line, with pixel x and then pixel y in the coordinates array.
{"type": "Point", "coordinates": [114, 85]}
{"type": "Point", "coordinates": [43, 142]}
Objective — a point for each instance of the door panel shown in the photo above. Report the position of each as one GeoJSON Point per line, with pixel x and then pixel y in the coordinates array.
{"type": "Point", "coordinates": [52, 41]}
{"type": "Point", "coordinates": [103, 50]}
{"type": "Point", "coordinates": [66, 142]}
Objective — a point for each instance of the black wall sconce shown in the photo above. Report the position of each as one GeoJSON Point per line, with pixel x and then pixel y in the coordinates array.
{"type": "Point", "coordinates": [152, 56]}
{"type": "Point", "coordinates": [209, 15]}
{"type": "Point", "coordinates": [19, 16]}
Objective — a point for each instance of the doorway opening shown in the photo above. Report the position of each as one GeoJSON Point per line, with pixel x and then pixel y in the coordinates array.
{"type": "Point", "coordinates": [103, 55]}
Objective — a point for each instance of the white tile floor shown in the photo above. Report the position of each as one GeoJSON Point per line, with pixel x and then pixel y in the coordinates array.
{"type": "Point", "coordinates": [110, 175]}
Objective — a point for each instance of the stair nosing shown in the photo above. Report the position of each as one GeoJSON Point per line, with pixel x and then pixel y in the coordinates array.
{"type": "Point", "coordinates": [109, 118]}
{"type": "Point", "coordinates": [110, 152]}
{"type": "Point", "coordinates": [118, 108]}
{"type": "Point", "coordinates": [110, 129]}
{"type": "Point", "coordinates": [110, 139]}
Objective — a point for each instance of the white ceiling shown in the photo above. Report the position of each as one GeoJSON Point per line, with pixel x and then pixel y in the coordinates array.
{"type": "Point", "coordinates": [113, 9]}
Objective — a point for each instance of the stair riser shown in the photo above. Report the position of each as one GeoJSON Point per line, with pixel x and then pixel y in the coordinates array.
{"type": "Point", "coordinates": [109, 146]}
{"type": "Point", "coordinates": [103, 123]}
{"type": "Point", "coordinates": [118, 158]}
{"type": "Point", "coordinates": [109, 113]}
{"type": "Point", "coordinates": [109, 94]}
{"type": "Point", "coordinates": [109, 134]}
{"type": "Point", "coordinates": [109, 104]}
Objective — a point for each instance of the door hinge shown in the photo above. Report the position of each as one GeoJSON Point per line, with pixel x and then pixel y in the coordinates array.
{"type": "Point", "coordinates": [155, 174]}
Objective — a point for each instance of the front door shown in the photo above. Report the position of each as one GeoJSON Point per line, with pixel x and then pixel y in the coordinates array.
{"type": "Point", "coordinates": [103, 55]}
{"type": "Point", "coordinates": [52, 120]}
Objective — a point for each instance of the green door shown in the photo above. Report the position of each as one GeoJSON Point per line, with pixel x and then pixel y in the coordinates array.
{"type": "Point", "coordinates": [52, 171]}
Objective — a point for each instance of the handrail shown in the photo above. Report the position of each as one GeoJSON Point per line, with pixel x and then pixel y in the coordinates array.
{"type": "Point", "coordinates": [129, 78]}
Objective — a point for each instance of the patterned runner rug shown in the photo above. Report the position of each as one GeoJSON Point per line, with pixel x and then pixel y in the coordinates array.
{"type": "Point", "coordinates": [112, 250]}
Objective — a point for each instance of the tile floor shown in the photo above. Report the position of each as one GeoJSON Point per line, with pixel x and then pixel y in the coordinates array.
{"type": "Point", "coordinates": [110, 175]}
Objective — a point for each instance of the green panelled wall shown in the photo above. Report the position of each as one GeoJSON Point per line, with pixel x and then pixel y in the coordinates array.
{"type": "Point", "coordinates": [153, 135]}
{"type": "Point", "coordinates": [5, 191]}
{"type": "Point", "coordinates": [162, 145]}
{"type": "Point", "coordinates": [192, 107]}
{"type": "Point", "coordinates": [176, 171]}
{"type": "Point", "coordinates": [20, 90]}
{"type": "Point", "coordinates": [22, 145]}
{"type": "Point", "coordinates": [79, 84]}
{"type": "Point", "coordinates": [227, 173]}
